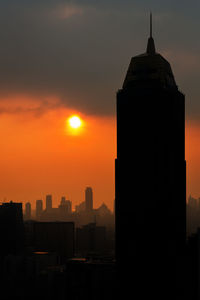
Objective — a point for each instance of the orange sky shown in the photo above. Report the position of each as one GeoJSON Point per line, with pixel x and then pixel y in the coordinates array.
{"type": "Point", "coordinates": [39, 155]}
{"type": "Point", "coordinates": [193, 158]}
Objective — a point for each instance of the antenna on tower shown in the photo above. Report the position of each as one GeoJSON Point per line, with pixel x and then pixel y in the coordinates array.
{"type": "Point", "coordinates": [150, 24]}
{"type": "Point", "coordinates": [151, 46]}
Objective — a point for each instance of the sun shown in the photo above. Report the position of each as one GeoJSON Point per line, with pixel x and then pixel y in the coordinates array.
{"type": "Point", "coordinates": [74, 122]}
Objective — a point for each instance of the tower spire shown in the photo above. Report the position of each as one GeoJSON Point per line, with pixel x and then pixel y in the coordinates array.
{"type": "Point", "coordinates": [151, 46]}
{"type": "Point", "coordinates": [150, 24]}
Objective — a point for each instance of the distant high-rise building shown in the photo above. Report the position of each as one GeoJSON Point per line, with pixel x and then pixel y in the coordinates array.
{"type": "Point", "coordinates": [80, 207]}
{"type": "Point", "coordinates": [39, 208]}
{"type": "Point", "coordinates": [28, 211]}
{"type": "Point", "coordinates": [150, 177]}
{"type": "Point", "coordinates": [63, 199]}
{"type": "Point", "coordinates": [88, 199]}
{"type": "Point", "coordinates": [48, 203]}
{"type": "Point", "coordinates": [69, 206]}
{"type": "Point", "coordinates": [192, 202]}
{"type": "Point", "coordinates": [65, 206]}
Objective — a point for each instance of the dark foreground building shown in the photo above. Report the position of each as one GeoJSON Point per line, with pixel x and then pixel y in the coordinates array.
{"type": "Point", "coordinates": [91, 239]}
{"type": "Point", "coordinates": [150, 179]}
{"type": "Point", "coordinates": [56, 237]}
{"type": "Point", "coordinates": [11, 229]}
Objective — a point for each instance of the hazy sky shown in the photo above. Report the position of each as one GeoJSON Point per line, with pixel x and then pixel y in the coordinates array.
{"type": "Point", "coordinates": [63, 57]}
{"type": "Point", "coordinates": [79, 50]}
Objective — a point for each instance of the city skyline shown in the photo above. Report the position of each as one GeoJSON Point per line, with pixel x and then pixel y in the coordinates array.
{"type": "Point", "coordinates": [42, 203]}
{"type": "Point", "coordinates": [99, 126]}
{"type": "Point", "coordinates": [46, 78]}
{"type": "Point", "coordinates": [55, 201]}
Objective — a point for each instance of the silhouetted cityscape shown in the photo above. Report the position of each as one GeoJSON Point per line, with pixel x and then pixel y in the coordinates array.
{"type": "Point", "coordinates": [149, 246]}
{"type": "Point", "coordinates": [57, 252]}
{"type": "Point", "coordinates": [83, 214]}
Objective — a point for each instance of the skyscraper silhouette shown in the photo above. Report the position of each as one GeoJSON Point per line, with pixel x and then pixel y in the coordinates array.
{"type": "Point", "coordinates": [48, 203]}
{"type": "Point", "coordinates": [150, 201]}
{"type": "Point", "coordinates": [28, 211]}
{"type": "Point", "coordinates": [39, 208]}
{"type": "Point", "coordinates": [88, 199]}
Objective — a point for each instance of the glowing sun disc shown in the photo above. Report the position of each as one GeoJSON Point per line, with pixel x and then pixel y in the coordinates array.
{"type": "Point", "coordinates": [75, 122]}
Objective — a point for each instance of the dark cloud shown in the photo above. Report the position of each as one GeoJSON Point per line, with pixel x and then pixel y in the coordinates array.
{"type": "Point", "coordinates": [79, 51]}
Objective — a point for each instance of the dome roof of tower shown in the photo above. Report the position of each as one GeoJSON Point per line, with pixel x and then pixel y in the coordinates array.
{"type": "Point", "coordinates": [149, 69]}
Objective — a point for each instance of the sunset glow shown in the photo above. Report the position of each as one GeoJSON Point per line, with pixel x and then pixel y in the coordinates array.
{"type": "Point", "coordinates": [44, 155]}
{"type": "Point", "coordinates": [57, 104]}
{"type": "Point", "coordinates": [75, 122]}
{"type": "Point", "coordinates": [43, 141]}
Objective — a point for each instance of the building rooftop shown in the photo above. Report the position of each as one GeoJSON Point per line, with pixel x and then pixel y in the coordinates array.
{"type": "Point", "coordinates": [149, 69]}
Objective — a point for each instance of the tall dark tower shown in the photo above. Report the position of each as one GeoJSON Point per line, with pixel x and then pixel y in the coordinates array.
{"type": "Point", "coordinates": [150, 176]}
